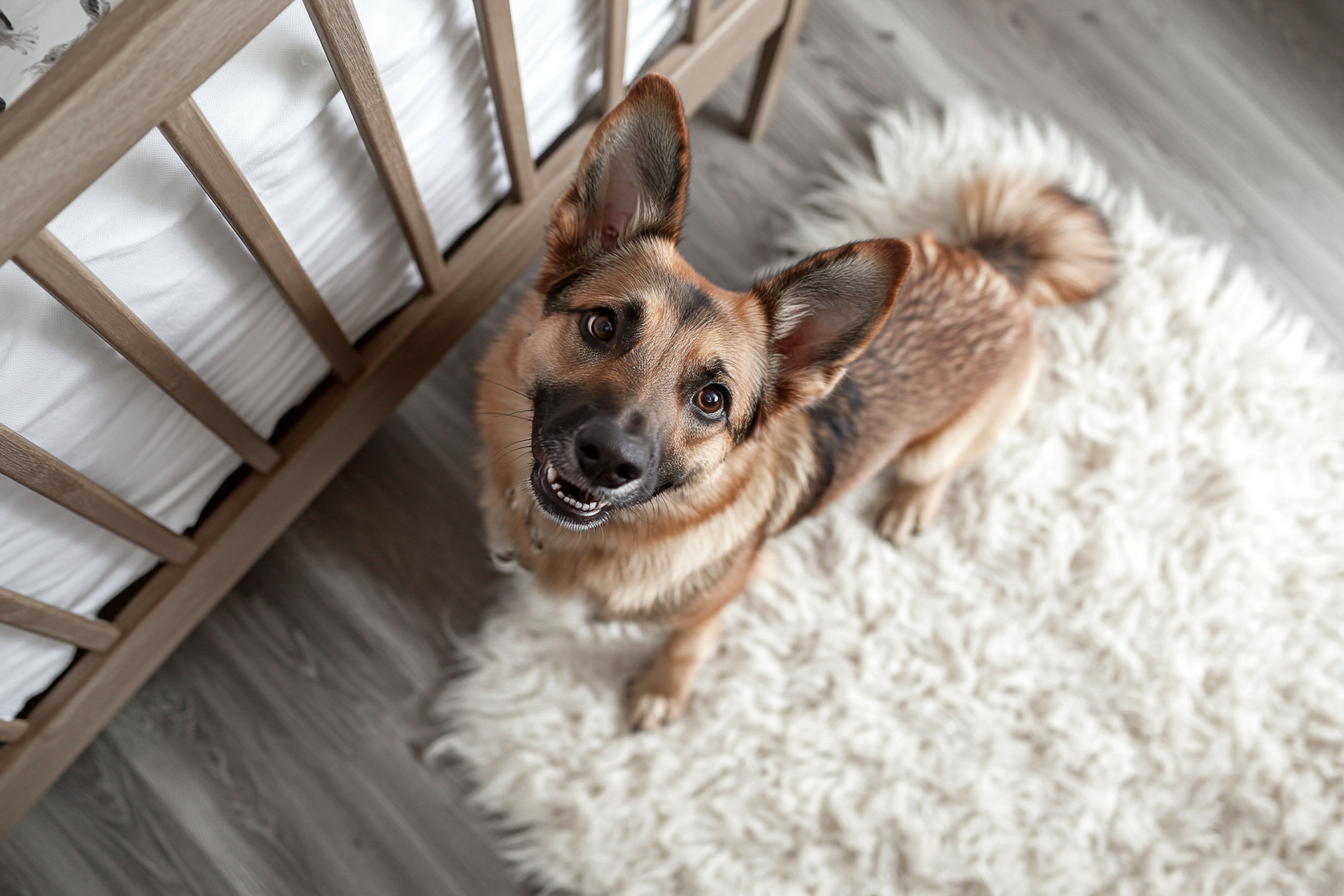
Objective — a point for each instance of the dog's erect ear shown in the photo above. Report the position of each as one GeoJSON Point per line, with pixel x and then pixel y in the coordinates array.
{"type": "Point", "coordinates": [825, 310]}
{"type": "Point", "coordinates": [632, 179]}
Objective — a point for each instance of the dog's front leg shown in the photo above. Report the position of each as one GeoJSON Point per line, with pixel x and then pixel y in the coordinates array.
{"type": "Point", "coordinates": [661, 692]}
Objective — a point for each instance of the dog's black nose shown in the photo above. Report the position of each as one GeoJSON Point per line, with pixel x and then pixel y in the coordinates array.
{"type": "Point", "coordinates": [608, 455]}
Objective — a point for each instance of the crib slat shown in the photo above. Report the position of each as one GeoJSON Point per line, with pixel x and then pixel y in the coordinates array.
{"type": "Point", "coordinates": [699, 68]}
{"type": "Point", "coordinates": [506, 85]}
{"type": "Point", "coordinates": [770, 69]}
{"type": "Point", "coordinates": [35, 469]}
{"type": "Point", "coordinates": [613, 61]}
{"type": "Point", "coordinates": [44, 619]}
{"type": "Point", "coordinates": [201, 150]}
{"type": "Point", "coordinates": [63, 275]}
{"type": "Point", "coordinates": [12, 731]}
{"type": "Point", "coordinates": [348, 52]}
{"type": "Point", "coordinates": [700, 19]}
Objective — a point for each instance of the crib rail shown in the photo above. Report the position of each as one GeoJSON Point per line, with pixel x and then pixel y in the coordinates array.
{"type": "Point", "coordinates": [136, 71]}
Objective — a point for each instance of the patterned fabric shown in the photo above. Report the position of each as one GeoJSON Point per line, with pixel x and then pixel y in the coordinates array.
{"type": "Point", "coordinates": [50, 27]}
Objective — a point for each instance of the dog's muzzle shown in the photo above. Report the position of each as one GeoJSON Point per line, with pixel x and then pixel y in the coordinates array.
{"type": "Point", "coordinates": [588, 465]}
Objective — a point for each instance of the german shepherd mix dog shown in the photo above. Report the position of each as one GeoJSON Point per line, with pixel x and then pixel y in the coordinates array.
{"type": "Point", "coordinates": [674, 426]}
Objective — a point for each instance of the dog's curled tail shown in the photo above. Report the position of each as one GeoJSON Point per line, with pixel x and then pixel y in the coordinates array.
{"type": "Point", "coordinates": [1054, 248]}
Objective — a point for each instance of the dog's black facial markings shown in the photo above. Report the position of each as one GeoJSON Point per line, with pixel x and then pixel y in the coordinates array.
{"type": "Point", "coordinates": [671, 475]}
{"type": "Point", "coordinates": [693, 304]}
{"type": "Point", "coordinates": [712, 370]}
{"type": "Point", "coordinates": [834, 425]}
{"type": "Point", "coordinates": [628, 314]}
{"type": "Point", "coordinates": [592, 455]}
{"type": "Point", "coordinates": [556, 296]}
{"type": "Point", "coordinates": [624, 315]}
{"type": "Point", "coordinates": [743, 430]}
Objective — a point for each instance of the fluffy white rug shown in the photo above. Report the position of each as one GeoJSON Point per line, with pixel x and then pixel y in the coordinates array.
{"type": "Point", "coordinates": [1115, 665]}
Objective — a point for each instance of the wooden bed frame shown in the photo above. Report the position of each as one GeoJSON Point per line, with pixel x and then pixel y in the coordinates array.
{"type": "Point", "coordinates": [136, 71]}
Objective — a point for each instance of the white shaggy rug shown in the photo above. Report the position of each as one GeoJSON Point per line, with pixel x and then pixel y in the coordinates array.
{"type": "Point", "coordinates": [1114, 666]}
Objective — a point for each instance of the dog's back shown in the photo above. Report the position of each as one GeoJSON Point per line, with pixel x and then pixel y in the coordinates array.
{"type": "Point", "coordinates": [957, 358]}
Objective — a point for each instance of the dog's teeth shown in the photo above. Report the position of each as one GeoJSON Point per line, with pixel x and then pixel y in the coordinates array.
{"type": "Point", "coordinates": [557, 485]}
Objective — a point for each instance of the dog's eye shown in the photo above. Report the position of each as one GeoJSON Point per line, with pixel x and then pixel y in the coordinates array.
{"type": "Point", "coordinates": [711, 399]}
{"type": "Point", "coordinates": [600, 325]}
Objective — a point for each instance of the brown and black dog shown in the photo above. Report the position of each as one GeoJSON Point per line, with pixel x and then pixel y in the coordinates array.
{"type": "Point", "coordinates": [674, 426]}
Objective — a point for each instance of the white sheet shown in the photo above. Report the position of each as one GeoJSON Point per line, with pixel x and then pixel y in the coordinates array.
{"type": "Point", "coordinates": [149, 232]}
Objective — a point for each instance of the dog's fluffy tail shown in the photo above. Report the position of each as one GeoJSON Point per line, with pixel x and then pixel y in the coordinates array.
{"type": "Point", "coordinates": [1054, 248]}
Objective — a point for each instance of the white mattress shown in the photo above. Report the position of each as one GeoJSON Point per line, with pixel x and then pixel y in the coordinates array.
{"type": "Point", "coordinates": [149, 232]}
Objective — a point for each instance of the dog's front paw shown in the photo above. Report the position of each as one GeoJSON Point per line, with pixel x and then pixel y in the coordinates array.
{"type": "Point", "coordinates": [898, 520]}
{"type": "Point", "coordinates": [656, 697]}
{"type": "Point", "coordinates": [909, 509]}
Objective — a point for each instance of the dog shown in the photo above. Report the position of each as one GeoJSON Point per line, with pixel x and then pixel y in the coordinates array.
{"type": "Point", "coordinates": [646, 432]}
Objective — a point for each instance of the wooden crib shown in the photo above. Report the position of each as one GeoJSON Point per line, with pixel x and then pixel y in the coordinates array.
{"type": "Point", "coordinates": [136, 71]}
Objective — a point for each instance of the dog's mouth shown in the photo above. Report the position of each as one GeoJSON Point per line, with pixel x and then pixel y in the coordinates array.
{"type": "Point", "coordinates": [564, 501]}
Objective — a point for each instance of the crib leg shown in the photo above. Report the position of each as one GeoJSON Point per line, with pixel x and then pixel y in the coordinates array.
{"type": "Point", "coordinates": [770, 68]}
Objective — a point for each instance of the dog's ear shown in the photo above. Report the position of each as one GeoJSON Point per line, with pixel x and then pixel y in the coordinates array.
{"type": "Point", "coordinates": [825, 310]}
{"type": "Point", "coordinates": [632, 179]}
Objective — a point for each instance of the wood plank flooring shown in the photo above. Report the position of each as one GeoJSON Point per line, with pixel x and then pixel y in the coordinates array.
{"type": "Point", "coordinates": [278, 751]}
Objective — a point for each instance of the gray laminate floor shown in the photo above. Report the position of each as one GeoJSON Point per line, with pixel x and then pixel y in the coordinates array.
{"type": "Point", "coordinates": [278, 751]}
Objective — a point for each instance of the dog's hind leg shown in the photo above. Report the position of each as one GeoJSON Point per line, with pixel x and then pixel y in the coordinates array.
{"type": "Point", "coordinates": [925, 467]}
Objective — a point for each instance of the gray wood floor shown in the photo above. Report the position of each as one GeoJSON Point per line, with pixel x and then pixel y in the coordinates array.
{"type": "Point", "coordinates": [278, 751]}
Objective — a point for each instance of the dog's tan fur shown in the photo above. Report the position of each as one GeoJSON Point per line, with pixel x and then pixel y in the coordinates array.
{"type": "Point", "coordinates": [835, 371]}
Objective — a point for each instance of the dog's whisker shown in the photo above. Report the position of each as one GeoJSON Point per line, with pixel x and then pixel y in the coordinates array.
{"type": "Point", "coordinates": [516, 448]}
{"type": "Point", "coordinates": [517, 414]}
{"type": "Point", "coordinates": [509, 388]}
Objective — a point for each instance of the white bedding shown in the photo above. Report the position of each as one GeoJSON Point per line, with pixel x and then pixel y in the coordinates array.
{"type": "Point", "coordinates": [149, 232]}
